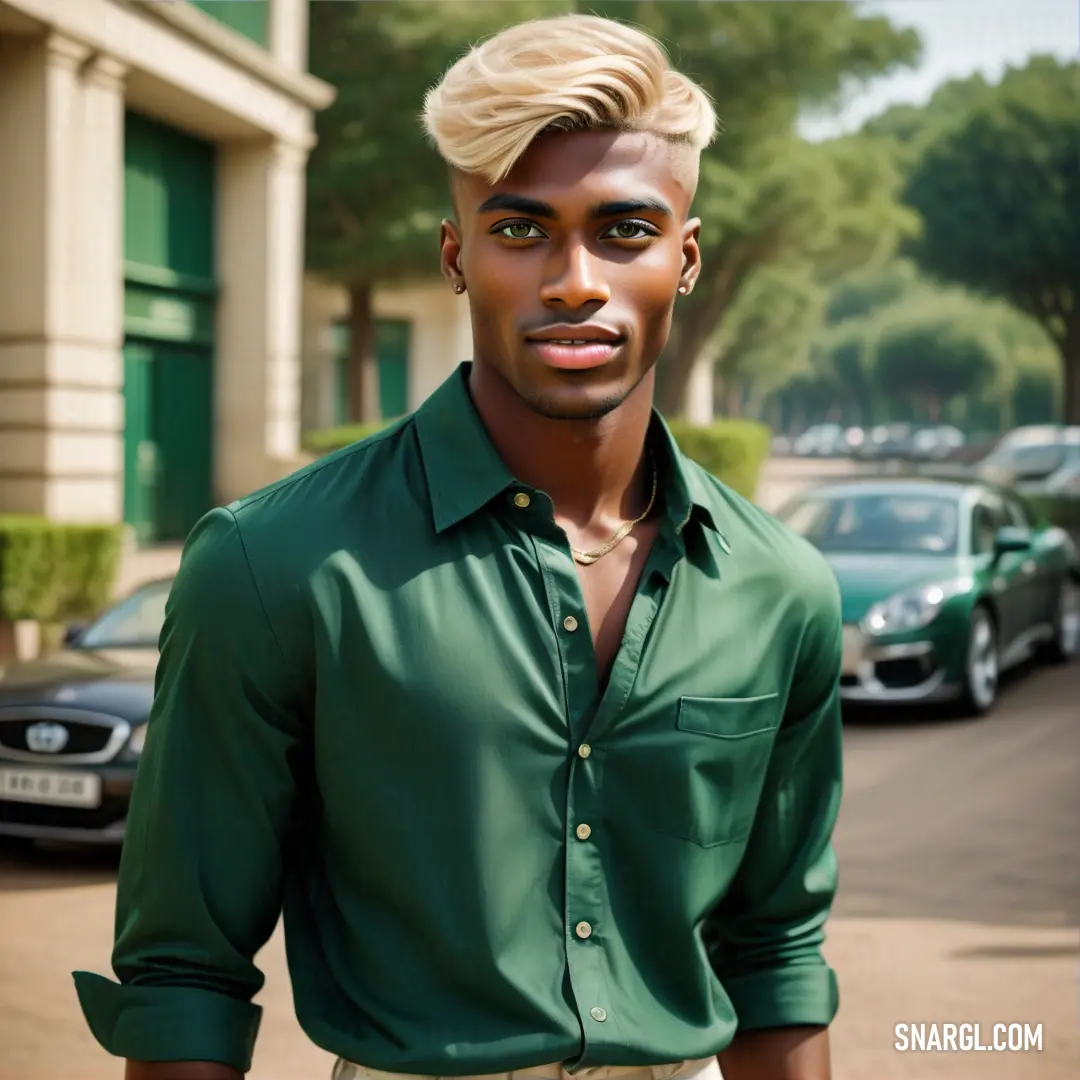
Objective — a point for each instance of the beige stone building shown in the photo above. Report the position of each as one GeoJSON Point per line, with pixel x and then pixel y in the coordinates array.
{"type": "Point", "coordinates": [152, 162]}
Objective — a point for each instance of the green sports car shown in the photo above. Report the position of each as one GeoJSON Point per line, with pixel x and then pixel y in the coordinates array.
{"type": "Point", "coordinates": [945, 585]}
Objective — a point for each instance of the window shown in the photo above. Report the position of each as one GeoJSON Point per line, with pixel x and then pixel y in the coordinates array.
{"type": "Point", "coordinates": [1019, 514]}
{"type": "Point", "coordinates": [987, 517]}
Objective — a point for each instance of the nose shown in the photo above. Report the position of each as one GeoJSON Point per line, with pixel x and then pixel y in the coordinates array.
{"type": "Point", "coordinates": [576, 279]}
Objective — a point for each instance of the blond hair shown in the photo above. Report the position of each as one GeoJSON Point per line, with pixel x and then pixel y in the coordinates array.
{"type": "Point", "coordinates": [568, 73]}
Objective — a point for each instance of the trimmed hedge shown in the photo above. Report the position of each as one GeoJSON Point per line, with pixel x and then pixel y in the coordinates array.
{"type": "Point", "coordinates": [327, 440]}
{"type": "Point", "coordinates": [55, 572]}
{"type": "Point", "coordinates": [734, 451]}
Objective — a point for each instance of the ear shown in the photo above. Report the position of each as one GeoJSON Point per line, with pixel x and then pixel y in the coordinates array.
{"type": "Point", "coordinates": [691, 253]}
{"type": "Point", "coordinates": [450, 253]}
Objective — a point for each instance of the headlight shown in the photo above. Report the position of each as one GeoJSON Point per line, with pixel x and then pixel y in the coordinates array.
{"type": "Point", "coordinates": [914, 608]}
{"type": "Point", "coordinates": [138, 737]}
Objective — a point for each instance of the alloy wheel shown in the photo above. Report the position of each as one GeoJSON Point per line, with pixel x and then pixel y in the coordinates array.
{"type": "Point", "coordinates": [983, 667]}
{"type": "Point", "coordinates": [1067, 621]}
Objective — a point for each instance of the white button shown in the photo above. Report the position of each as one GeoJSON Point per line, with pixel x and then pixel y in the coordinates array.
{"type": "Point", "coordinates": [583, 832]}
{"type": "Point", "coordinates": [584, 750]}
{"type": "Point", "coordinates": [522, 500]}
{"type": "Point", "coordinates": [598, 1014]}
{"type": "Point", "coordinates": [570, 623]}
{"type": "Point", "coordinates": [583, 929]}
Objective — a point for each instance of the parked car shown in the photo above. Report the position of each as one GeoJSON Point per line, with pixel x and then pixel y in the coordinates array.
{"type": "Point", "coordinates": [1042, 461]}
{"type": "Point", "coordinates": [72, 725]}
{"type": "Point", "coordinates": [821, 440]}
{"type": "Point", "coordinates": [886, 441]}
{"type": "Point", "coordinates": [936, 443]}
{"type": "Point", "coordinates": [945, 584]}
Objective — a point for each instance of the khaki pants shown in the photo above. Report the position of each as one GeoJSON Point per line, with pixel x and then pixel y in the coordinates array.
{"type": "Point", "coordinates": [703, 1069]}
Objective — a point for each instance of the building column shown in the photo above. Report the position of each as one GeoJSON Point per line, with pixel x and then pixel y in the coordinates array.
{"type": "Point", "coordinates": [288, 33]}
{"type": "Point", "coordinates": [698, 405]}
{"type": "Point", "coordinates": [60, 320]}
{"type": "Point", "coordinates": [260, 269]}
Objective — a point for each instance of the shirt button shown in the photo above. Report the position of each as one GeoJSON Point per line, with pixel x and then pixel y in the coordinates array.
{"type": "Point", "coordinates": [522, 500]}
{"type": "Point", "coordinates": [583, 832]}
{"type": "Point", "coordinates": [584, 750]}
{"type": "Point", "coordinates": [570, 623]}
{"type": "Point", "coordinates": [598, 1014]}
{"type": "Point", "coordinates": [583, 929]}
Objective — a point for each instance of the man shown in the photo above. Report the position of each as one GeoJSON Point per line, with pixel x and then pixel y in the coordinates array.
{"type": "Point", "coordinates": [528, 724]}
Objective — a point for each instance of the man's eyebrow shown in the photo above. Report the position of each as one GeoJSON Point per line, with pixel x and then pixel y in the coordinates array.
{"type": "Point", "coordinates": [630, 206]}
{"type": "Point", "coordinates": [521, 204]}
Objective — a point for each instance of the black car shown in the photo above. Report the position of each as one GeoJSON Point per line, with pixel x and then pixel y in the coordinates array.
{"type": "Point", "coordinates": [72, 725]}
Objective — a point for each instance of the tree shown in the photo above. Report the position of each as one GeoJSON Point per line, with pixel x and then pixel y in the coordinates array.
{"type": "Point", "coordinates": [929, 357]}
{"type": "Point", "coordinates": [767, 333]}
{"type": "Point", "coordinates": [999, 195]}
{"type": "Point", "coordinates": [377, 191]}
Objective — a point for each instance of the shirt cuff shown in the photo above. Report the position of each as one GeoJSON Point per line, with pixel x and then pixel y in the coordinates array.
{"type": "Point", "coordinates": [168, 1023]}
{"type": "Point", "coordinates": [784, 997]}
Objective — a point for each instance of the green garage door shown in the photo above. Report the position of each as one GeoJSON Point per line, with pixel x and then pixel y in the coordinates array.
{"type": "Point", "coordinates": [169, 299]}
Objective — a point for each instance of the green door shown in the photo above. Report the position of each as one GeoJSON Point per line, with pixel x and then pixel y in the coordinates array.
{"type": "Point", "coordinates": [168, 395]}
{"type": "Point", "coordinates": [169, 299]}
{"type": "Point", "coordinates": [392, 348]}
{"type": "Point", "coordinates": [140, 450]}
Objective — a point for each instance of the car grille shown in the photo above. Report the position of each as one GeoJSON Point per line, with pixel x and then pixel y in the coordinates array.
{"type": "Point", "coordinates": [82, 738]}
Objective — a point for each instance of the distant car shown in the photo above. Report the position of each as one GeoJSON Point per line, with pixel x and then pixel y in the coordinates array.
{"type": "Point", "coordinates": [821, 440]}
{"type": "Point", "coordinates": [1044, 462]}
{"type": "Point", "coordinates": [885, 441]}
{"type": "Point", "coordinates": [945, 585]}
{"type": "Point", "coordinates": [72, 725]}
{"type": "Point", "coordinates": [936, 443]}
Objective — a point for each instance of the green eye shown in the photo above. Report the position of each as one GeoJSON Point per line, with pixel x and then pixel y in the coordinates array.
{"type": "Point", "coordinates": [630, 230]}
{"type": "Point", "coordinates": [521, 230]}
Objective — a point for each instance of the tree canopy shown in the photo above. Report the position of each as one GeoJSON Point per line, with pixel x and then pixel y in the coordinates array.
{"type": "Point", "coordinates": [999, 195]}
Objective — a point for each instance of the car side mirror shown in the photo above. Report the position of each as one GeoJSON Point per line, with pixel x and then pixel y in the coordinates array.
{"type": "Point", "coordinates": [1011, 538]}
{"type": "Point", "coordinates": [73, 632]}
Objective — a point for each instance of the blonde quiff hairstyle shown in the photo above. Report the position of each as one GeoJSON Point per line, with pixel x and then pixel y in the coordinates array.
{"type": "Point", "coordinates": [568, 73]}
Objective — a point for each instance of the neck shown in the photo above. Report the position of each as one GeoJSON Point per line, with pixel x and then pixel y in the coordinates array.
{"type": "Point", "coordinates": [593, 470]}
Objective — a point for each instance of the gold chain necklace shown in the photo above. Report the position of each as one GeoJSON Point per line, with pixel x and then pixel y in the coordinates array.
{"type": "Point", "coordinates": [588, 557]}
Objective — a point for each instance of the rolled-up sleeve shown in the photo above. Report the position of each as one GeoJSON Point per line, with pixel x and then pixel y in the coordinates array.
{"type": "Point", "coordinates": [765, 938]}
{"type": "Point", "coordinates": [209, 825]}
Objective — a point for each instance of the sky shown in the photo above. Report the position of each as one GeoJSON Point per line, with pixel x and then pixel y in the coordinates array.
{"type": "Point", "coordinates": [959, 38]}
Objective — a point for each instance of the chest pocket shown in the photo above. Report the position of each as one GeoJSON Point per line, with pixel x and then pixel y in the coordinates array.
{"type": "Point", "coordinates": [722, 746]}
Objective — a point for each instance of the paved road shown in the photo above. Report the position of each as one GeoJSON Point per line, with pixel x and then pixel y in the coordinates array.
{"type": "Point", "coordinates": [957, 847]}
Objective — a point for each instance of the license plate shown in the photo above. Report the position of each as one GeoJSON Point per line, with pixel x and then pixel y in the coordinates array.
{"type": "Point", "coordinates": [52, 788]}
{"type": "Point", "coordinates": [853, 649]}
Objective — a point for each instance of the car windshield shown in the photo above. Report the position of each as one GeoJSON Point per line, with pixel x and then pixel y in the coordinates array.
{"type": "Point", "coordinates": [135, 622]}
{"type": "Point", "coordinates": [887, 522]}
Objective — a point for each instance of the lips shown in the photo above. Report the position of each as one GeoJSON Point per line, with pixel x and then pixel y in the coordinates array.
{"type": "Point", "coordinates": [575, 348]}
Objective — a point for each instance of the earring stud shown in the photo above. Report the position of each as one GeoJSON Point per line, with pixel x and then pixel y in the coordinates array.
{"type": "Point", "coordinates": [682, 288]}
{"type": "Point", "coordinates": [459, 288]}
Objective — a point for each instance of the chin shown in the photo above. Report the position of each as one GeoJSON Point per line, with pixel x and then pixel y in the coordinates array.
{"type": "Point", "coordinates": [570, 402]}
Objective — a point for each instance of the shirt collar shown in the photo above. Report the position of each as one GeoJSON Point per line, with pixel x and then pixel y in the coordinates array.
{"type": "Point", "coordinates": [464, 471]}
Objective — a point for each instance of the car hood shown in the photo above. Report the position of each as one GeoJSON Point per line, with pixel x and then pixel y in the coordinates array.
{"type": "Point", "coordinates": [119, 682]}
{"type": "Point", "coordinates": [866, 579]}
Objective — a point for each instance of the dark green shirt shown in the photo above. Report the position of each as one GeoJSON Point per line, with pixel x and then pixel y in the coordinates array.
{"type": "Point", "coordinates": [377, 709]}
